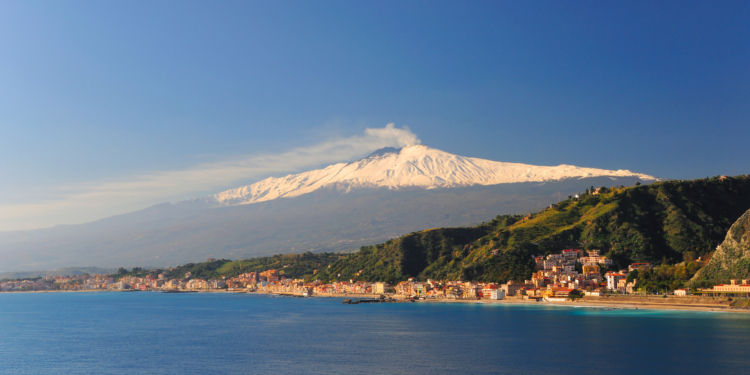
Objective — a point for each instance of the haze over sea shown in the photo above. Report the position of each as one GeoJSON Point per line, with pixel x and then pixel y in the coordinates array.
{"type": "Point", "coordinates": [155, 333]}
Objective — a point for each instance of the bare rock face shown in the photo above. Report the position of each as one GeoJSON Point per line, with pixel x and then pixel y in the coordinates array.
{"type": "Point", "coordinates": [732, 258]}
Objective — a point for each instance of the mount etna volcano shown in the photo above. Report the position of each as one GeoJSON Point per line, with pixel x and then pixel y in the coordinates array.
{"type": "Point", "coordinates": [337, 208]}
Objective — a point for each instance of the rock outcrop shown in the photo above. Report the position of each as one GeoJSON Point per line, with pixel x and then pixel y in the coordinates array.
{"type": "Point", "coordinates": [732, 258]}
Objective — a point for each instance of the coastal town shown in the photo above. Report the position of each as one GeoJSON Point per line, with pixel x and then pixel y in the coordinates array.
{"type": "Point", "coordinates": [570, 274]}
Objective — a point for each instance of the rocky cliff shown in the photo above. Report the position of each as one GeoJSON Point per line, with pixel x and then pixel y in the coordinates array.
{"type": "Point", "coordinates": [732, 258]}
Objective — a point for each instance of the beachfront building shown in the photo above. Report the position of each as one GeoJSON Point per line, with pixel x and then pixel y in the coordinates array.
{"type": "Point", "coordinates": [733, 289]}
{"type": "Point", "coordinates": [497, 294]}
{"type": "Point", "coordinates": [622, 285]}
{"type": "Point", "coordinates": [613, 279]}
{"type": "Point", "coordinates": [381, 288]}
{"type": "Point", "coordinates": [556, 293]}
{"type": "Point", "coordinates": [511, 288]}
{"type": "Point", "coordinates": [488, 289]}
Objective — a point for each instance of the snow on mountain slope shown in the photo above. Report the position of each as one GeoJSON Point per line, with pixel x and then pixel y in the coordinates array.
{"type": "Point", "coordinates": [410, 167]}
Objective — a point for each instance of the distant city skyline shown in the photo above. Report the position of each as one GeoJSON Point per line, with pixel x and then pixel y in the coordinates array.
{"type": "Point", "coordinates": [108, 108]}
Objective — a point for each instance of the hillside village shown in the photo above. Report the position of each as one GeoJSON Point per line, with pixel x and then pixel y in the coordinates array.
{"type": "Point", "coordinates": [557, 277]}
{"type": "Point", "coordinates": [434, 263]}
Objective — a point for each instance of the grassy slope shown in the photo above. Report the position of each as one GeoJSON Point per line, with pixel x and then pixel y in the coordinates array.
{"type": "Point", "coordinates": [659, 223]}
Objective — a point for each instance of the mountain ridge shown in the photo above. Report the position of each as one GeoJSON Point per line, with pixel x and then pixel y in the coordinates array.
{"type": "Point", "coordinates": [661, 223]}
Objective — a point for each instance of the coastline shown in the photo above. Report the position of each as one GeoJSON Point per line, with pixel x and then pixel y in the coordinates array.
{"type": "Point", "coordinates": [671, 303]}
{"type": "Point", "coordinates": [630, 303]}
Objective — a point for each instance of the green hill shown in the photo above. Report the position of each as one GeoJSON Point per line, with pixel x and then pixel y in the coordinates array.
{"type": "Point", "coordinates": [661, 223]}
{"type": "Point", "coordinates": [289, 265]}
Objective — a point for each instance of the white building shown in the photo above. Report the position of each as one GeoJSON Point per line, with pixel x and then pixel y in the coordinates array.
{"type": "Point", "coordinates": [497, 294]}
{"type": "Point", "coordinates": [613, 279]}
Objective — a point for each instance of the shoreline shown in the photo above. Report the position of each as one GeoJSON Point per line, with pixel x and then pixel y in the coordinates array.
{"type": "Point", "coordinates": [632, 304]}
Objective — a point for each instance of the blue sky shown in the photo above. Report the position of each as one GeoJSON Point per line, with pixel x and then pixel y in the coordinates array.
{"type": "Point", "coordinates": [97, 94]}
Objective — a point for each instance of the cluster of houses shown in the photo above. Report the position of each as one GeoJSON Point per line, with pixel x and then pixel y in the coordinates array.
{"type": "Point", "coordinates": [558, 276]}
{"type": "Point", "coordinates": [160, 282]}
{"type": "Point", "coordinates": [50, 283]}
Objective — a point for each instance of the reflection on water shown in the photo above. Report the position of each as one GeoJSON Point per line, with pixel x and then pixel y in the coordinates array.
{"type": "Point", "coordinates": [94, 333]}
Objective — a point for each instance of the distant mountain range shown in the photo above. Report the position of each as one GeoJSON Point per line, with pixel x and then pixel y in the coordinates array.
{"type": "Point", "coordinates": [338, 208]}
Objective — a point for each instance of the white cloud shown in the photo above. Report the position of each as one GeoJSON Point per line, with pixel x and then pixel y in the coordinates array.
{"type": "Point", "coordinates": [94, 200]}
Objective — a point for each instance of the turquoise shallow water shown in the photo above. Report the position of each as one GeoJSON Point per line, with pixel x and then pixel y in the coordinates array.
{"type": "Point", "coordinates": [212, 333]}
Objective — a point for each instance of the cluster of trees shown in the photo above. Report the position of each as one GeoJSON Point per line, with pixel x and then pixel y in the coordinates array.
{"type": "Point", "coordinates": [516, 263]}
{"type": "Point", "coordinates": [135, 272]}
{"type": "Point", "coordinates": [290, 265]}
{"type": "Point", "coordinates": [205, 270]}
{"type": "Point", "coordinates": [664, 278]}
{"type": "Point", "coordinates": [441, 254]}
{"type": "Point", "coordinates": [431, 254]}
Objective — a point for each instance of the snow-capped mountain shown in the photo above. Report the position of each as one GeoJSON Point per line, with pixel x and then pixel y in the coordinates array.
{"type": "Point", "coordinates": [338, 208]}
{"type": "Point", "coordinates": [410, 167]}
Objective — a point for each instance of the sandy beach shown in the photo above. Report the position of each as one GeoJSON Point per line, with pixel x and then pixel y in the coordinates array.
{"type": "Point", "coordinates": [686, 304]}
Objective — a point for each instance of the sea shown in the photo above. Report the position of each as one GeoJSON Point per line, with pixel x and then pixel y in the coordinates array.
{"type": "Point", "coordinates": [227, 333]}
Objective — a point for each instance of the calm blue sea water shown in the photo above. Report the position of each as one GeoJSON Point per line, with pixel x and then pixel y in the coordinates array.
{"type": "Point", "coordinates": [207, 333]}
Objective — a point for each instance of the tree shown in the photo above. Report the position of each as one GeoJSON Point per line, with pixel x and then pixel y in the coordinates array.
{"type": "Point", "coordinates": [632, 276]}
{"type": "Point", "coordinates": [122, 271]}
{"type": "Point", "coordinates": [575, 294]}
